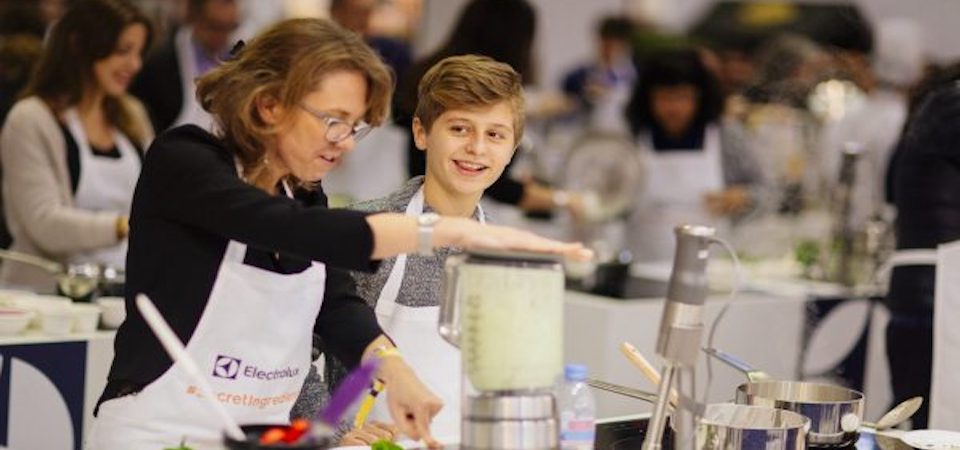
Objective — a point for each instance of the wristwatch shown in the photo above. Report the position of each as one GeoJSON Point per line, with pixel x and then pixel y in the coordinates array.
{"type": "Point", "coordinates": [560, 198]}
{"type": "Point", "coordinates": [425, 223]}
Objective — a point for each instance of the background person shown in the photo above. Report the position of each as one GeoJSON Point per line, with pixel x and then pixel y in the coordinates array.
{"type": "Point", "coordinates": [167, 83]}
{"type": "Point", "coordinates": [71, 148]}
{"type": "Point", "coordinates": [699, 167]}
{"type": "Point", "coordinates": [925, 178]}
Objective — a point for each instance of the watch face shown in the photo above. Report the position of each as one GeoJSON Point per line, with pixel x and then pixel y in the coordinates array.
{"type": "Point", "coordinates": [428, 219]}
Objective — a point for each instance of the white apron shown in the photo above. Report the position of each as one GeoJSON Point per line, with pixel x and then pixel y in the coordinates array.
{"type": "Point", "coordinates": [678, 182]}
{"type": "Point", "coordinates": [105, 185]}
{"type": "Point", "coordinates": [945, 391]}
{"type": "Point", "coordinates": [253, 341]}
{"type": "Point", "coordinates": [191, 112]}
{"type": "Point", "coordinates": [414, 330]}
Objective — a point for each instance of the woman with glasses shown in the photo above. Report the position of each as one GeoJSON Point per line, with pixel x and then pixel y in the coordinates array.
{"type": "Point", "coordinates": [231, 239]}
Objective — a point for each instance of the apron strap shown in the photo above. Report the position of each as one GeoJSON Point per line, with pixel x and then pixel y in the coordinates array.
{"type": "Point", "coordinates": [387, 301]}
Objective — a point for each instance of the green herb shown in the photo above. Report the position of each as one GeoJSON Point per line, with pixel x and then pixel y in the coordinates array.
{"type": "Point", "coordinates": [807, 253]}
{"type": "Point", "coordinates": [385, 444]}
{"type": "Point", "coordinates": [182, 446]}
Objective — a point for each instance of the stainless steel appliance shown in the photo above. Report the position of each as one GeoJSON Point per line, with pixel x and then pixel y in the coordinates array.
{"type": "Point", "coordinates": [504, 311]}
{"type": "Point", "coordinates": [681, 325]}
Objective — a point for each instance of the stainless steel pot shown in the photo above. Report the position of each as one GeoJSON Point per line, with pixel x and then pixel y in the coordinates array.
{"type": "Point", "coordinates": [741, 427]}
{"type": "Point", "coordinates": [835, 412]}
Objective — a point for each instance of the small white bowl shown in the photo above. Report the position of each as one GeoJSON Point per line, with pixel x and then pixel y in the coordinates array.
{"type": "Point", "coordinates": [85, 318]}
{"type": "Point", "coordinates": [13, 320]}
{"type": "Point", "coordinates": [56, 320]}
{"type": "Point", "coordinates": [114, 311]}
{"type": "Point", "coordinates": [8, 297]}
{"type": "Point", "coordinates": [39, 303]}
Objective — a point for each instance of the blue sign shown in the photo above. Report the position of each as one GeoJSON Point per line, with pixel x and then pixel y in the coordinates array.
{"type": "Point", "coordinates": [41, 394]}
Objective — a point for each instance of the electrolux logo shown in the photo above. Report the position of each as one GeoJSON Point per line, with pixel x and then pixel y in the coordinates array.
{"type": "Point", "coordinates": [226, 367]}
{"type": "Point", "coordinates": [230, 368]}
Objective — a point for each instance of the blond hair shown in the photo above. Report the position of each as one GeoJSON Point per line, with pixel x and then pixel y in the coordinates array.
{"type": "Point", "coordinates": [469, 81]}
{"type": "Point", "coordinates": [286, 62]}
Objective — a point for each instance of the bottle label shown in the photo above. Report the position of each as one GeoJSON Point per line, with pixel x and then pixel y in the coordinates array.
{"type": "Point", "coordinates": [579, 432]}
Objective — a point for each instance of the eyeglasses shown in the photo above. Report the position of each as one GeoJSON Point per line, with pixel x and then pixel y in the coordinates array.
{"type": "Point", "coordinates": [339, 129]}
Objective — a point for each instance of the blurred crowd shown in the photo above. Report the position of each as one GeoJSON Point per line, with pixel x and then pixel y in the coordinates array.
{"type": "Point", "coordinates": [749, 131]}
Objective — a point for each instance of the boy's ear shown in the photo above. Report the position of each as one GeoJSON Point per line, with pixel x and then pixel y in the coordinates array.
{"type": "Point", "coordinates": [419, 134]}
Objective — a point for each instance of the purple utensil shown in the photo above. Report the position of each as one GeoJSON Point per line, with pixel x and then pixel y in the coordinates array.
{"type": "Point", "coordinates": [353, 386]}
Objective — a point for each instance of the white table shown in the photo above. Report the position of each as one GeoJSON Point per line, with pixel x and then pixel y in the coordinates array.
{"type": "Point", "coordinates": [49, 386]}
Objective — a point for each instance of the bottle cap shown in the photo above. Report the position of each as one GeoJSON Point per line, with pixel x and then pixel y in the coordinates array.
{"type": "Point", "coordinates": [575, 372]}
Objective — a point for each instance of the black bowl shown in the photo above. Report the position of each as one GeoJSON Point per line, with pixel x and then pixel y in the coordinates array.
{"type": "Point", "coordinates": [254, 432]}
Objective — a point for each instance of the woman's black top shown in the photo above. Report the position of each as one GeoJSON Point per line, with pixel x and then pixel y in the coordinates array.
{"type": "Point", "coordinates": [188, 204]}
{"type": "Point", "coordinates": [926, 192]}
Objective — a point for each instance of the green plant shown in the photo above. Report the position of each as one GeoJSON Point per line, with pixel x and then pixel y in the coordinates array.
{"type": "Point", "coordinates": [182, 446]}
{"type": "Point", "coordinates": [385, 444]}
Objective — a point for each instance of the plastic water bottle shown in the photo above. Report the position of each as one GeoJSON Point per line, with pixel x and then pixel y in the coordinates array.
{"type": "Point", "coordinates": [578, 410]}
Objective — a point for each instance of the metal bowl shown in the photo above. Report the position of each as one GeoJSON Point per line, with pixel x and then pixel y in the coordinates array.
{"type": "Point", "coordinates": [79, 281]}
{"type": "Point", "coordinates": [827, 406]}
{"type": "Point", "coordinates": [742, 427]}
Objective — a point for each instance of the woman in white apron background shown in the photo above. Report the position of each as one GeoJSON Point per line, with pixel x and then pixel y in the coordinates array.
{"type": "Point", "coordinates": [469, 120]}
{"type": "Point", "coordinates": [71, 148]}
{"type": "Point", "coordinates": [232, 240]}
{"type": "Point", "coordinates": [698, 171]}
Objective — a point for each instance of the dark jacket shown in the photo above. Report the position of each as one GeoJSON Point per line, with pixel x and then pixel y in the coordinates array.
{"type": "Point", "coordinates": [926, 191]}
{"type": "Point", "coordinates": [159, 87]}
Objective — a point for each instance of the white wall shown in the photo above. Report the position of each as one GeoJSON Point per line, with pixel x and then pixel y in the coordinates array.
{"type": "Point", "coordinates": [565, 27]}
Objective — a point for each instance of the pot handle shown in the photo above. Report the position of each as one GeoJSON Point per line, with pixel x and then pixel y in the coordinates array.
{"type": "Point", "coordinates": [54, 268]}
{"type": "Point", "coordinates": [730, 360]}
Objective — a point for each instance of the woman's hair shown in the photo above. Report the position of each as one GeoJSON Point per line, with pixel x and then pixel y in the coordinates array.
{"type": "Point", "coordinates": [286, 62]}
{"type": "Point", "coordinates": [500, 29]}
{"type": "Point", "coordinates": [469, 81]}
{"type": "Point", "coordinates": [674, 68]}
{"type": "Point", "coordinates": [87, 33]}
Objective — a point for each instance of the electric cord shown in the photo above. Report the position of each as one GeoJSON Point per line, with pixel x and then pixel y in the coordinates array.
{"type": "Point", "coordinates": [734, 291]}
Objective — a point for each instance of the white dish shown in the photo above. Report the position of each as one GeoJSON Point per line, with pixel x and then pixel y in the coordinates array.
{"type": "Point", "coordinates": [113, 310]}
{"type": "Point", "coordinates": [932, 439]}
{"type": "Point", "coordinates": [13, 320]}
{"type": "Point", "coordinates": [56, 320]}
{"type": "Point", "coordinates": [9, 296]}
{"type": "Point", "coordinates": [85, 318]}
{"type": "Point", "coordinates": [38, 304]}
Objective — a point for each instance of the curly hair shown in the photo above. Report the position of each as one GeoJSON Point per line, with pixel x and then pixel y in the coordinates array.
{"type": "Point", "coordinates": [286, 63]}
